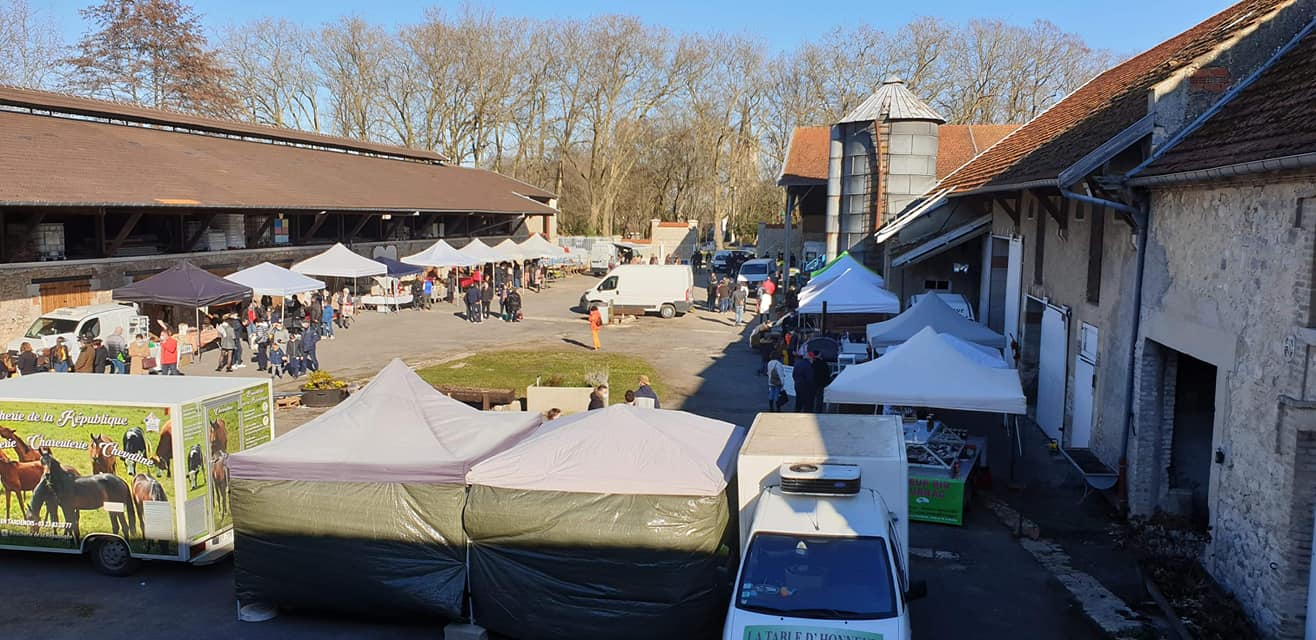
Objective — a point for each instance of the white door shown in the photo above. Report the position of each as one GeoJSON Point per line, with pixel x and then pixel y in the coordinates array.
{"type": "Point", "coordinates": [1052, 363]}
{"type": "Point", "coordinates": [1013, 285]}
{"type": "Point", "coordinates": [1085, 382]}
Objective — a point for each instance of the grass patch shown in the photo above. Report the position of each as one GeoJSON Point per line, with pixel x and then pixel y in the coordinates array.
{"type": "Point", "coordinates": [519, 369]}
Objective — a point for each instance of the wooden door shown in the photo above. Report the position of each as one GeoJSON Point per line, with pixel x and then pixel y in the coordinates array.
{"type": "Point", "coordinates": [70, 293]}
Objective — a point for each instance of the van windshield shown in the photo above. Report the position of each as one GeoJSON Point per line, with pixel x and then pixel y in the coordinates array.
{"type": "Point", "coordinates": [51, 326]}
{"type": "Point", "coordinates": [817, 577]}
{"type": "Point", "coordinates": [752, 269]}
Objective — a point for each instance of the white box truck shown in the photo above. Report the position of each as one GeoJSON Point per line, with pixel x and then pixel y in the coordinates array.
{"type": "Point", "coordinates": [665, 289]}
{"type": "Point", "coordinates": [824, 530]}
{"type": "Point", "coordinates": [122, 468]}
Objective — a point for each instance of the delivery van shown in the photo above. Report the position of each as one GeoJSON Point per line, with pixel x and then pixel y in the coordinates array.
{"type": "Point", "coordinates": [602, 258]}
{"type": "Point", "coordinates": [665, 289]}
{"type": "Point", "coordinates": [128, 468]}
{"type": "Point", "coordinates": [824, 530]}
{"type": "Point", "coordinates": [754, 272]}
{"type": "Point", "coordinates": [72, 323]}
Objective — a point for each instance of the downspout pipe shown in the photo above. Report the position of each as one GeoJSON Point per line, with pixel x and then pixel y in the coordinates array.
{"type": "Point", "coordinates": [1139, 218]}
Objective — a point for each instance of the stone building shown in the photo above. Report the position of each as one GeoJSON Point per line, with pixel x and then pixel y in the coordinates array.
{"type": "Point", "coordinates": [1126, 327]}
{"type": "Point", "coordinates": [1226, 417]}
{"type": "Point", "coordinates": [95, 194]}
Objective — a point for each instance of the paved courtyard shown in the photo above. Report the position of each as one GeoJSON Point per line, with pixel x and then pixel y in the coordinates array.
{"type": "Point", "coordinates": [982, 582]}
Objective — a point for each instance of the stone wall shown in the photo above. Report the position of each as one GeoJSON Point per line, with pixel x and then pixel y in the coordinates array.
{"type": "Point", "coordinates": [20, 299]}
{"type": "Point", "coordinates": [1064, 283]}
{"type": "Point", "coordinates": [1228, 281]}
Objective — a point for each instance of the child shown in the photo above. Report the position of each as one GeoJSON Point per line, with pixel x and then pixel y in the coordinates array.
{"type": "Point", "coordinates": [276, 361]}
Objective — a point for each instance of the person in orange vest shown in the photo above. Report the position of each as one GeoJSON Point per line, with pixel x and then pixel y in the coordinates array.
{"type": "Point", "coordinates": [595, 323]}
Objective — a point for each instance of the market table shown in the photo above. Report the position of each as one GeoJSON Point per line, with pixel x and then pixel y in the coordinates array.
{"type": "Point", "coordinates": [941, 463]}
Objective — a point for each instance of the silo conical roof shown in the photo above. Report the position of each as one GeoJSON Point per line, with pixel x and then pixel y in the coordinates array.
{"type": "Point", "coordinates": [893, 101]}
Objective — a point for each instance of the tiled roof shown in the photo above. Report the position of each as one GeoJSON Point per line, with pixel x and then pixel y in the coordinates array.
{"type": "Point", "coordinates": [1274, 117]}
{"type": "Point", "coordinates": [49, 160]}
{"type": "Point", "coordinates": [1103, 107]}
{"type": "Point", "coordinates": [63, 103]}
{"type": "Point", "coordinates": [959, 143]}
{"type": "Point", "coordinates": [806, 157]}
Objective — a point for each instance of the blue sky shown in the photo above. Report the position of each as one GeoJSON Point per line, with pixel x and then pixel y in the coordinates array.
{"type": "Point", "coordinates": [1125, 26]}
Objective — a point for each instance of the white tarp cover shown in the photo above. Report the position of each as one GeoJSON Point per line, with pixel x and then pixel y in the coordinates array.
{"type": "Point", "coordinates": [931, 311]}
{"type": "Point", "coordinates": [850, 292]}
{"type": "Point", "coordinates": [927, 371]}
{"type": "Point", "coordinates": [439, 254]}
{"type": "Point", "coordinates": [396, 429]}
{"type": "Point", "coordinates": [979, 354]}
{"type": "Point", "coordinates": [481, 252]}
{"type": "Point", "coordinates": [619, 450]}
{"type": "Point", "coordinates": [267, 279]}
{"type": "Point", "coordinates": [512, 251]}
{"type": "Point", "coordinates": [341, 262]}
{"type": "Point", "coordinates": [537, 247]}
{"type": "Point", "coordinates": [839, 266]}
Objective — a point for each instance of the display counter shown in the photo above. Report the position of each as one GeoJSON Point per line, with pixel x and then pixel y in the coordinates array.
{"type": "Point", "coordinates": [941, 461]}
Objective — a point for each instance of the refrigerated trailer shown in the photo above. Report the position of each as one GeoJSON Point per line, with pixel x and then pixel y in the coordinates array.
{"type": "Point", "coordinates": [123, 468]}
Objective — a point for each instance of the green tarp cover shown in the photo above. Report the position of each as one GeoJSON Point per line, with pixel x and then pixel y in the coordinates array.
{"type": "Point", "coordinates": [548, 565]}
{"type": "Point", "coordinates": [363, 548]}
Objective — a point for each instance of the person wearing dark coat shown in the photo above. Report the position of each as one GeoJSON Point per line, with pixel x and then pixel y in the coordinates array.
{"type": "Point", "coordinates": [804, 384]}
{"type": "Point", "coordinates": [472, 298]}
{"type": "Point", "coordinates": [100, 356]}
{"type": "Point", "coordinates": [598, 398]}
{"type": "Point", "coordinates": [646, 391]}
{"type": "Point", "coordinates": [486, 298]}
{"type": "Point", "coordinates": [822, 376]}
{"type": "Point", "coordinates": [513, 303]}
{"type": "Point", "coordinates": [27, 360]}
{"type": "Point", "coordinates": [310, 338]}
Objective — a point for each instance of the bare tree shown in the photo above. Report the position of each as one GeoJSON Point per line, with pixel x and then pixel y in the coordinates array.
{"type": "Point", "coordinates": [151, 52]}
{"type": "Point", "coordinates": [29, 46]}
{"type": "Point", "coordinates": [272, 73]}
{"type": "Point", "coordinates": [350, 55]}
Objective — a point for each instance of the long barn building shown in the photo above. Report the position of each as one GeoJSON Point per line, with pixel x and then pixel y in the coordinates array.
{"type": "Point", "coordinates": [95, 195]}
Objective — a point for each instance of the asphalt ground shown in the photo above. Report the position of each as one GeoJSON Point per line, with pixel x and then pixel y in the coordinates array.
{"type": "Point", "coordinates": [982, 584]}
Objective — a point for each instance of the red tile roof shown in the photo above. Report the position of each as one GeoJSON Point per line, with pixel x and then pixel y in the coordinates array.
{"type": "Point", "coordinates": [1106, 105]}
{"type": "Point", "coordinates": [49, 160]}
{"type": "Point", "coordinates": [959, 143]}
{"type": "Point", "coordinates": [1274, 117]}
{"type": "Point", "coordinates": [806, 159]}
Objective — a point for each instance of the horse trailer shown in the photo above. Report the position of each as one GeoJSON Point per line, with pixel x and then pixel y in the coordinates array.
{"type": "Point", "coordinates": [96, 465]}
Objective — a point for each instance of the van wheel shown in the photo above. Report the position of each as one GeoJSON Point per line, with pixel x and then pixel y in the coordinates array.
{"type": "Point", "coordinates": [112, 557]}
{"type": "Point", "coordinates": [667, 311]}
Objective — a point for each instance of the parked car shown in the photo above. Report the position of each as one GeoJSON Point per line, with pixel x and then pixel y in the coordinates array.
{"type": "Point", "coordinates": [665, 289]}
{"type": "Point", "coordinates": [754, 272]}
{"type": "Point", "coordinates": [729, 260]}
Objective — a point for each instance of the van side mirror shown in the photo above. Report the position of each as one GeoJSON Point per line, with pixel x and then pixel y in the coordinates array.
{"type": "Point", "coordinates": [918, 589]}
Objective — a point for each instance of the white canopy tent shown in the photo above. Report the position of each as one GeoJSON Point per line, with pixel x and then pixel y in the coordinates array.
{"type": "Point", "coordinates": [979, 354]}
{"type": "Point", "coordinates": [537, 247]}
{"type": "Point", "coordinates": [266, 279]}
{"type": "Point", "coordinates": [439, 254]}
{"type": "Point", "coordinates": [398, 428]}
{"type": "Point", "coordinates": [480, 252]}
{"type": "Point", "coordinates": [931, 311]}
{"type": "Point", "coordinates": [619, 450]}
{"type": "Point", "coordinates": [511, 251]}
{"type": "Point", "coordinates": [842, 263]}
{"type": "Point", "coordinates": [927, 371]}
{"type": "Point", "coordinates": [340, 262]}
{"type": "Point", "coordinates": [850, 292]}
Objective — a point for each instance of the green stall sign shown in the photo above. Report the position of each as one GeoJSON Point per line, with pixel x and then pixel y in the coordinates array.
{"type": "Point", "coordinates": [938, 500]}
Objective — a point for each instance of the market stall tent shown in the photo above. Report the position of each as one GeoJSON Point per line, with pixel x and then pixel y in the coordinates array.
{"type": "Point", "coordinates": [339, 262]}
{"type": "Point", "coordinates": [439, 254]}
{"type": "Point", "coordinates": [536, 246]}
{"type": "Point", "coordinates": [512, 251]}
{"type": "Point", "coordinates": [397, 269]}
{"type": "Point", "coordinates": [360, 509]}
{"type": "Point", "coordinates": [480, 252]}
{"type": "Point", "coordinates": [931, 311]}
{"type": "Point", "coordinates": [927, 371]}
{"type": "Point", "coordinates": [850, 292]}
{"type": "Point", "coordinates": [266, 279]}
{"type": "Point", "coordinates": [841, 264]}
{"type": "Point", "coordinates": [184, 285]}
{"type": "Point", "coordinates": [622, 501]}
{"type": "Point", "coordinates": [979, 354]}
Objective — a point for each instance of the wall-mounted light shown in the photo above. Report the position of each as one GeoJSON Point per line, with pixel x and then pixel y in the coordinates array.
{"type": "Point", "coordinates": [387, 216]}
{"type": "Point", "coordinates": [322, 213]}
{"type": "Point", "coordinates": [415, 213]}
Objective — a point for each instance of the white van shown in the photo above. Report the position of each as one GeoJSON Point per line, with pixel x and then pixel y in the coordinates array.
{"type": "Point", "coordinates": [665, 289]}
{"type": "Point", "coordinates": [602, 257]}
{"type": "Point", "coordinates": [71, 323]}
{"type": "Point", "coordinates": [755, 271]}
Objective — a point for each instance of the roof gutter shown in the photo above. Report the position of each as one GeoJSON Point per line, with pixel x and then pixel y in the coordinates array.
{"type": "Point", "coordinates": [1300, 161]}
{"type": "Point", "coordinates": [1018, 186]}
